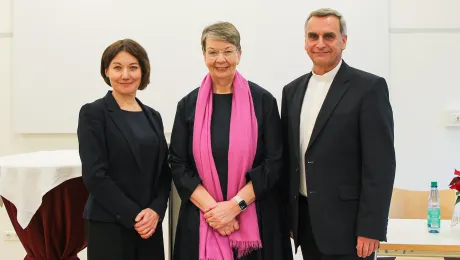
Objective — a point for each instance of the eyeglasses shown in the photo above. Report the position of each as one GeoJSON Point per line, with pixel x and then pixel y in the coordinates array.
{"type": "Point", "coordinates": [215, 53]}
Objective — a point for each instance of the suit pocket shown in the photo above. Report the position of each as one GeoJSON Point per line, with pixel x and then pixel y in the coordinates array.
{"type": "Point", "coordinates": [348, 192]}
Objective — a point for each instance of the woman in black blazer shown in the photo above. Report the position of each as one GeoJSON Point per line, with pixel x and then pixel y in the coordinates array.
{"type": "Point", "coordinates": [124, 155]}
{"type": "Point", "coordinates": [226, 158]}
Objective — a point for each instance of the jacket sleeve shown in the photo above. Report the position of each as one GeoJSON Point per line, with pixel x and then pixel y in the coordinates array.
{"type": "Point", "coordinates": [160, 203]}
{"type": "Point", "coordinates": [265, 176]}
{"type": "Point", "coordinates": [285, 178]}
{"type": "Point", "coordinates": [378, 162]}
{"type": "Point", "coordinates": [95, 165]}
{"type": "Point", "coordinates": [184, 173]}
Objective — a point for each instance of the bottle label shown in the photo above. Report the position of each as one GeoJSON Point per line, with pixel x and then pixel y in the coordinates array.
{"type": "Point", "coordinates": [434, 218]}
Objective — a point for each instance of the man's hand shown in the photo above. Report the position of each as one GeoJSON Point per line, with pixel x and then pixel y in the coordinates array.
{"type": "Point", "coordinates": [146, 223]}
{"type": "Point", "coordinates": [366, 246]}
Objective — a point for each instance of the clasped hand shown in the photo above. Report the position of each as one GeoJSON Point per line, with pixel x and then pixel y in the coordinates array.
{"type": "Point", "coordinates": [146, 223]}
{"type": "Point", "coordinates": [222, 217]}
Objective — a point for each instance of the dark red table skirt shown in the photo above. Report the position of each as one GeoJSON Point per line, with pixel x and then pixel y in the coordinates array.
{"type": "Point", "coordinates": [57, 230]}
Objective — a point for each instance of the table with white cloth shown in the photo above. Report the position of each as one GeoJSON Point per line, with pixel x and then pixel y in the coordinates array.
{"type": "Point", "coordinates": [410, 237]}
{"type": "Point", "coordinates": [44, 196]}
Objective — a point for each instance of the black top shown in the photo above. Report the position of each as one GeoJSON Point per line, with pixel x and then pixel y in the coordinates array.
{"type": "Point", "coordinates": [148, 141]}
{"type": "Point", "coordinates": [220, 133]}
{"type": "Point", "coordinates": [266, 173]}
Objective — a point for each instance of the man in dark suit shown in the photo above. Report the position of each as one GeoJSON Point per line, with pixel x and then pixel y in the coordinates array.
{"type": "Point", "coordinates": [340, 158]}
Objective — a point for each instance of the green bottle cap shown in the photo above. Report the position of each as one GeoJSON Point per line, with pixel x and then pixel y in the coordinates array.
{"type": "Point", "coordinates": [434, 184]}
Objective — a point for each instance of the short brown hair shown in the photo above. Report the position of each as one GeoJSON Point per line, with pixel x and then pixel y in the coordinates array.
{"type": "Point", "coordinates": [223, 31]}
{"type": "Point", "coordinates": [133, 48]}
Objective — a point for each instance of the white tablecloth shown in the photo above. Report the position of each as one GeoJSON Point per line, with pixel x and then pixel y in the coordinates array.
{"type": "Point", "coordinates": [25, 178]}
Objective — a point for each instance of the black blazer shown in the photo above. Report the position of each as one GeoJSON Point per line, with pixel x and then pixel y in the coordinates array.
{"type": "Point", "coordinates": [265, 176]}
{"type": "Point", "coordinates": [111, 165]}
{"type": "Point", "coordinates": [350, 160]}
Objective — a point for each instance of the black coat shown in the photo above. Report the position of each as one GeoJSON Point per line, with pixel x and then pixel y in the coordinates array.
{"type": "Point", "coordinates": [350, 160]}
{"type": "Point", "coordinates": [111, 168]}
{"type": "Point", "coordinates": [265, 176]}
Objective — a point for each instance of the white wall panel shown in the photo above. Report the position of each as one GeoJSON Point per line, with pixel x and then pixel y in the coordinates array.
{"type": "Point", "coordinates": [425, 81]}
{"type": "Point", "coordinates": [424, 14]}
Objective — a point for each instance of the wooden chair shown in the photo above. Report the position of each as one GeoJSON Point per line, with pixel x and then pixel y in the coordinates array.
{"type": "Point", "coordinates": [411, 204]}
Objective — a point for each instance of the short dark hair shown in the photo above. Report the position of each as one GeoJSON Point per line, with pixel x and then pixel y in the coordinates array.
{"type": "Point", "coordinates": [133, 48]}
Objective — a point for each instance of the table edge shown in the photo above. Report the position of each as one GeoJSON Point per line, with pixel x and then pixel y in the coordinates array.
{"type": "Point", "coordinates": [420, 247]}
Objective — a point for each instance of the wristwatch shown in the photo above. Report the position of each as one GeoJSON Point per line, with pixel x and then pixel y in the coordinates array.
{"type": "Point", "coordinates": [241, 203]}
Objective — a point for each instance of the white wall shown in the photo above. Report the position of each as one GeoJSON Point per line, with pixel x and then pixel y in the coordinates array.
{"type": "Point", "coordinates": [424, 82]}
{"type": "Point", "coordinates": [272, 33]}
{"type": "Point", "coordinates": [424, 69]}
{"type": "Point", "coordinates": [9, 141]}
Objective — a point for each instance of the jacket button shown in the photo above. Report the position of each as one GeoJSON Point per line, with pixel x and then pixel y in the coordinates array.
{"type": "Point", "coordinates": [118, 217]}
{"type": "Point", "coordinates": [297, 169]}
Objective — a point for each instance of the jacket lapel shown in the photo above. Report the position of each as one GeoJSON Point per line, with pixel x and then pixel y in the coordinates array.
{"type": "Point", "coordinates": [338, 88]}
{"type": "Point", "coordinates": [118, 118]}
{"type": "Point", "coordinates": [297, 102]}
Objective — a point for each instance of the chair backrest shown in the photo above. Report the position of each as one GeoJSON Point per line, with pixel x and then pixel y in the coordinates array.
{"type": "Point", "coordinates": [411, 204]}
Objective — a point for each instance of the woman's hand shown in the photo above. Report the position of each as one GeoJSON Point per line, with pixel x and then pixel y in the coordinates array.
{"type": "Point", "coordinates": [230, 228]}
{"type": "Point", "coordinates": [221, 215]}
{"type": "Point", "coordinates": [146, 223]}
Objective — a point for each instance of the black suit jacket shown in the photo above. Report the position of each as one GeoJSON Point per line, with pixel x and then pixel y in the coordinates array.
{"type": "Point", "coordinates": [350, 160]}
{"type": "Point", "coordinates": [111, 165]}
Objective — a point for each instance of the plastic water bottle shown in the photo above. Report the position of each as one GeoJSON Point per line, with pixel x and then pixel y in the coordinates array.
{"type": "Point", "coordinates": [434, 209]}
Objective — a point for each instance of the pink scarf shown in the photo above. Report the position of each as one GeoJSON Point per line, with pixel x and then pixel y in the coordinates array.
{"type": "Point", "coordinates": [241, 153]}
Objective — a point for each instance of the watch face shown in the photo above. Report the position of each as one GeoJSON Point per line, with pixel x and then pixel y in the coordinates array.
{"type": "Point", "coordinates": [242, 205]}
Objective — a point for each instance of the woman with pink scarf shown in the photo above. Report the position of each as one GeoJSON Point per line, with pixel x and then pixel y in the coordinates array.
{"type": "Point", "coordinates": [226, 159]}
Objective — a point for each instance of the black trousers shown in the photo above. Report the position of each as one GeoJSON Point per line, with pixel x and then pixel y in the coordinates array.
{"type": "Point", "coordinates": [111, 241]}
{"type": "Point", "coordinates": [310, 250]}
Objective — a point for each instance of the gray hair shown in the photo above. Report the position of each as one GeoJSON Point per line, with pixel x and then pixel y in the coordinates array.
{"type": "Point", "coordinates": [223, 31]}
{"type": "Point", "coordinates": [323, 12]}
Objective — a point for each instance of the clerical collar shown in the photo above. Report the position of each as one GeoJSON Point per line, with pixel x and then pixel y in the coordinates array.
{"type": "Point", "coordinates": [328, 76]}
